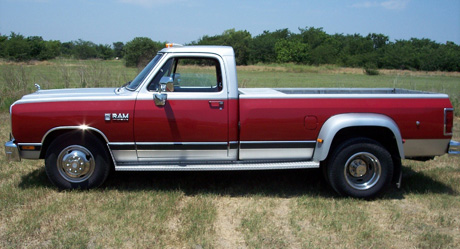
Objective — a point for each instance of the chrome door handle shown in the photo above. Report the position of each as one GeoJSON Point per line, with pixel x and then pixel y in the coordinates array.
{"type": "Point", "coordinates": [216, 104]}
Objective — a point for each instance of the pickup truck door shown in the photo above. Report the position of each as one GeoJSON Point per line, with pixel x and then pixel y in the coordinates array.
{"type": "Point", "coordinates": [192, 125]}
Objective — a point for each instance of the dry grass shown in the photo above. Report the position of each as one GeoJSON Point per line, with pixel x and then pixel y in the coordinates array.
{"type": "Point", "coordinates": [268, 209]}
{"type": "Point", "coordinates": [263, 209]}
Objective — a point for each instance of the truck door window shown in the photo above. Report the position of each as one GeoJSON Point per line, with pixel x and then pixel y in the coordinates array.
{"type": "Point", "coordinates": [190, 74]}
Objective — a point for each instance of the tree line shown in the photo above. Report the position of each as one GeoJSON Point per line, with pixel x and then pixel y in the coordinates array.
{"type": "Point", "coordinates": [311, 46]}
{"type": "Point", "coordinates": [16, 47]}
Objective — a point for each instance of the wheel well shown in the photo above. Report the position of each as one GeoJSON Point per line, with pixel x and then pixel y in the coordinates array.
{"type": "Point", "coordinates": [382, 135]}
{"type": "Point", "coordinates": [74, 132]}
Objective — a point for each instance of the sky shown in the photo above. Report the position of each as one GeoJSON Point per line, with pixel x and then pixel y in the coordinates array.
{"type": "Point", "coordinates": [184, 21]}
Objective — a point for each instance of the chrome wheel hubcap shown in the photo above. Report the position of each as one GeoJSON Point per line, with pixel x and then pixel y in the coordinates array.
{"type": "Point", "coordinates": [358, 168]}
{"type": "Point", "coordinates": [75, 163]}
{"type": "Point", "coordinates": [362, 171]}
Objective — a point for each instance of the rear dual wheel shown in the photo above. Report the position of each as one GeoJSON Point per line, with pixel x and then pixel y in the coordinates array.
{"type": "Point", "coordinates": [77, 162]}
{"type": "Point", "coordinates": [360, 168]}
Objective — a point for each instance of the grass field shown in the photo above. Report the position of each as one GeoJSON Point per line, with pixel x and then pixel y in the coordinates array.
{"type": "Point", "coordinates": [263, 209]}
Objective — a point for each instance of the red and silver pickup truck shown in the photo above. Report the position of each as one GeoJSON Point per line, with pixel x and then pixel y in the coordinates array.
{"type": "Point", "coordinates": [185, 112]}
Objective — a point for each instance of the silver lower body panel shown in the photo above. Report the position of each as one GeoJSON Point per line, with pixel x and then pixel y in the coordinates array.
{"type": "Point", "coordinates": [276, 150]}
{"type": "Point", "coordinates": [425, 147]}
{"type": "Point", "coordinates": [171, 155]}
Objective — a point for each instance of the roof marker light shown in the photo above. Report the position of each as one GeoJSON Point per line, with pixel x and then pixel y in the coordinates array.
{"type": "Point", "coordinates": [170, 45]}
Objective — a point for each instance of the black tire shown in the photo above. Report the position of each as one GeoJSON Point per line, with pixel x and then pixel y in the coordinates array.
{"type": "Point", "coordinates": [77, 162]}
{"type": "Point", "coordinates": [360, 167]}
{"type": "Point", "coordinates": [323, 168]}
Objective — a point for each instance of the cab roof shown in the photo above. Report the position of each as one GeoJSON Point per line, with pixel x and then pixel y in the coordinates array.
{"type": "Point", "coordinates": [220, 50]}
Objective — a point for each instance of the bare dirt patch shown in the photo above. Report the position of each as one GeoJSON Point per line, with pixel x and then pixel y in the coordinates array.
{"type": "Point", "coordinates": [227, 223]}
{"type": "Point", "coordinates": [281, 215]}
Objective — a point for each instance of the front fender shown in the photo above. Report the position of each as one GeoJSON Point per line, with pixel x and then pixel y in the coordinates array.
{"type": "Point", "coordinates": [338, 122]}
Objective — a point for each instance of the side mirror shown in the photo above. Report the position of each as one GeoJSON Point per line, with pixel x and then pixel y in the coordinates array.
{"type": "Point", "coordinates": [170, 87]}
{"type": "Point", "coordinates": [160, 97]}
{"type": "Point", "coordinates": [166, 84]}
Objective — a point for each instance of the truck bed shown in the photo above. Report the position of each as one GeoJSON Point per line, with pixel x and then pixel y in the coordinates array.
{"type": "Point", "coordinates": [298, 114]}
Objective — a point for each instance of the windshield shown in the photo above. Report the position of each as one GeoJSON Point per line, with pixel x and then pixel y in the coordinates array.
{"type": "Point", "coordinates": [141, 76]}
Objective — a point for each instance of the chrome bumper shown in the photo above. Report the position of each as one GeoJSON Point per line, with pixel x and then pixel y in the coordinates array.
{"type": "Point", "coordinates": [454, 148]}
{"type": "Point", "coordinates": [12, 151]}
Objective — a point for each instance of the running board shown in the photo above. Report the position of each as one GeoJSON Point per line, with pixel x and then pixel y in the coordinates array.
{"type": "Point", "coordinates": [218, 166]}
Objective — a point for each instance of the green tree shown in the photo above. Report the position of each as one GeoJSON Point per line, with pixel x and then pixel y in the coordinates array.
{"type": "Point", "coordinates": [104, 52]}
{"type": "Point", "coordinates": [37, 44]}
{"type": "Point", "coordinates": [140, 50]}
{"type": "Point", "coordinates": [43, 50]}
{"type": "Point", "coordinates": [50, 50]}
{"type": "Point", "coordinates": [67, 49]}
{"type": "Point", "coordinates": [291, 51]}
{"type": "Point", "coordinates": [380, 44]}
{"type": "Point", "coordinates": [426, 54]}
{"type": "Point", "coordinates": [17, 48]}
{"type": "Point", "coordinates": [379, 41]}
{"type": "Point", "coordinates": [326, 53]}
{"type": "Point", "coordinates": [357, 51]}
{"type": "Point", "coordinates": [262, 47]}
{"type": "Point", "coordinates": [239, 40]}
{"type": "Point", "coordinates": [314, 37]}
{"type": "Point", "coordinates": [84, 49]}
{"type": "Point", "coordinates": [118, 49]}
{"type": "Point", "coordinates": [3, 41]}
{"type": "Point", "coordinates": [399, 55]}
{"type": "Point", "coordinates": [449, 57]}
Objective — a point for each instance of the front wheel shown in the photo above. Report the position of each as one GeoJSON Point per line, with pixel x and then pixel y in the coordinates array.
{"type": "Point", "coordinates": [75, 162]}
{"type": "Point", "coordinates": [360, 167]}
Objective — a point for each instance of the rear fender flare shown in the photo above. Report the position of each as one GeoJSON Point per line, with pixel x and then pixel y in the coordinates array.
{"type": "Point", "coordinates": [338, 122]}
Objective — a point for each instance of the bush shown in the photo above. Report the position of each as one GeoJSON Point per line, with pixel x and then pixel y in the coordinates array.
{"type": "Point", "coordinates": [371, 69]}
